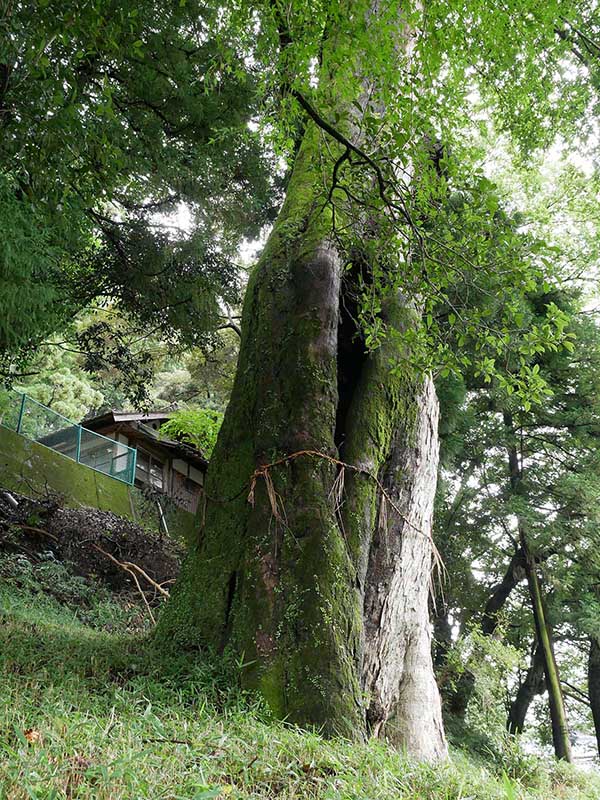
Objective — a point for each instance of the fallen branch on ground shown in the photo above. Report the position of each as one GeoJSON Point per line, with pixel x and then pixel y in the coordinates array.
{"type": "Point", "coordinates": [129, 565]}
{"type": "Point", "coordinates": [131, 568]}
{"type": "Point", "coordinates": [36, 530]}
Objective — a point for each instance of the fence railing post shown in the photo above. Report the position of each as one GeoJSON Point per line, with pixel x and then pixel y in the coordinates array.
{"type": "Point", "coordinates": [133, 466]}
{"type": "Point", "coordinates": [78, 450]}
{"type": "Point", "coordinates": [21, 411]}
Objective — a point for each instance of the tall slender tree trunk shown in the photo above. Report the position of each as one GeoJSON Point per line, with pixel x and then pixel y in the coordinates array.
{"type": "Point", "coordinates": [558, 717]}
{"type": "Point", "coordinates": [320, 584]}
{"type": "Point", "coordinates": [594, 684]}
{"type": "Point", "coordinates": [533, 685]}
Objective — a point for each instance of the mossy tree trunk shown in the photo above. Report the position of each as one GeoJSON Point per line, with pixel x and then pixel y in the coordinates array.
{"type": "Point", "coordinates": [321, 591]}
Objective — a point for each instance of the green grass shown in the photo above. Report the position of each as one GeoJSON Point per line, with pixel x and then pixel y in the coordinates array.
{"type": "Point", "coordinates": [116, 719]}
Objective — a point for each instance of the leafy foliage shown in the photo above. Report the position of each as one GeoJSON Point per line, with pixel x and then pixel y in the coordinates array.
{"type": "Point", "coordinates": [111, 117]}
{"type": "Point", "coordinates": [480, 513]}
{"type": "Point", "coordinates": [31, 295]}
{"type": "Point", "coordinates": [164, 94]}
{"type": "Point", "coordinates": [61, 384]}
{"type": "Point", "coordinates": [199, 376]}
{"type": "Point", "coordinates": [198, 427]}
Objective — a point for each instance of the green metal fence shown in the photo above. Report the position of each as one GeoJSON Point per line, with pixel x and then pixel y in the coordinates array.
{"type": "Point", "coordinates": [37, 422]}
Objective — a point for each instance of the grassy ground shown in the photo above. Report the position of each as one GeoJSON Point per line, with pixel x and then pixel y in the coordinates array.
{"type": "Point", "coordinates": [89, 710]}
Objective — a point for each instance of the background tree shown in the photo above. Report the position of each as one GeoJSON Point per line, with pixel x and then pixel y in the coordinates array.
{"type": "Point", "coordinates": [554, 449]}
{"type": "Point", "coordinates": [112, 116]}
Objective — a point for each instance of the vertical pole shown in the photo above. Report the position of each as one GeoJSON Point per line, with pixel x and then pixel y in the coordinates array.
{"type": "Point", "coordinates": [558, 718]}
{"type": "Point", "coordinates": [78, 450]}
{"type": "Point", "coordinates": [21, 410]}
{"type": "Point", "coordinates": [133, 465]}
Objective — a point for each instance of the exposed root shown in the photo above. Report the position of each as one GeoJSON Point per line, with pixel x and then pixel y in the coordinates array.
{"type": "Point", "coordinates": [337, 495]}
{"type": "Point", "coordinates": [129, 565]}
{"type": "Point", "coordinates": [133, 570]}
{"type": "Point", "coordinates": [33, 529]}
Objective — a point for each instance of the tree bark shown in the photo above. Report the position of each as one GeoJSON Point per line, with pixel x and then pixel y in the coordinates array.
{"type": "Point", "coordinates": [397, 671]}
{"type": "Point", "coordinates": [321, 592]}
{"type": "Point", "coordinates": [533, 685]}
{"type": "Point", "coordinates": [594, 684]}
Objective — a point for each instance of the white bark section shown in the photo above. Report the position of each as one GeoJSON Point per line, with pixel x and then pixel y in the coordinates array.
{"type": "Point", "coordinates": [398, 673]}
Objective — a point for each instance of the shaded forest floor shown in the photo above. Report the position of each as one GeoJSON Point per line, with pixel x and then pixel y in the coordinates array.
{"type": "Point", "coordinates": [88, 709]}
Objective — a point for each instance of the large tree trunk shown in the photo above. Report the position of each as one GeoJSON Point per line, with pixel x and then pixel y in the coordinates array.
{"type": "Point", "coordinates": [328, 605]}
{"type": "Point", "coordinates": [321, 582]}
{"type": "Point", "coordinates": [322, 592]}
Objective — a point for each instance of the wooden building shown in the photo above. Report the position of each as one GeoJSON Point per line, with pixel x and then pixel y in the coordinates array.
{"type": "Point", "coordinates": [167, 466]}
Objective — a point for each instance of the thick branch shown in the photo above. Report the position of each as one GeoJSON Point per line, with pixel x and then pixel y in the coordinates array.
{"type": "Point", "coordinates": [515, 573]}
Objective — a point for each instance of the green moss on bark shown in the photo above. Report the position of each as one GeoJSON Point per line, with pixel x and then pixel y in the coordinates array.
{"type": "Point", "coordinates": [290, 611]}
